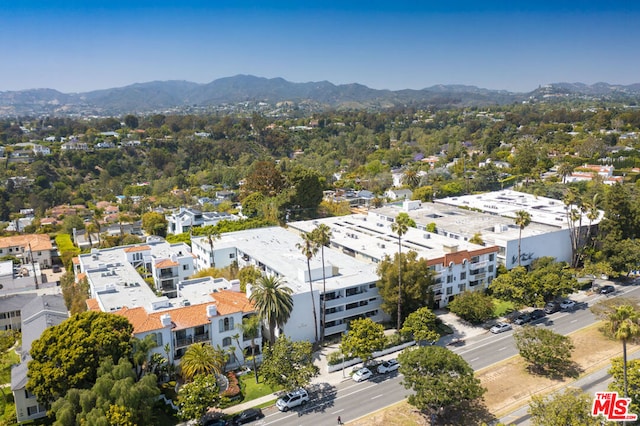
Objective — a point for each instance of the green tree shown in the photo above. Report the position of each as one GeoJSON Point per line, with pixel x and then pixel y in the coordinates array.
{"type": "Point", "coordinates": [543, 349]}
{"type": "Point", "coordinates": [250, 329]}
{"type": "Point", "coordinates": [417, 279]}
{"type": "Point", "coordinates": [422, 325]}
{"type": "Point", "coordinates": [309, 248]}
{"type": "Point", "coordinates": [253, 205]}
{"type": "Point", "coordinates": [623, 324]}
{"type": "Point", "coordinates": [202, 358]}
{"type": "Point", "coordinates": [633, 381]}
{"type": "Point", "coordinates": [264, 178]}
{"type": "Point", "coordinates": [439, 378]}
{"type": "Point", "coordinates": [273, 301]}
{"type": "Point", "coordinates": [477, 239]}
{"type": "Point", "coordinates": [400, 227]}
{"type": "Point", "coordinates": [473, 306]}
{"type": "Point", "coordinates": [116, 398]}
{"type": "Point", "coordinates": [423, 193]}
{"type": "Point", "coordinates": [72, 222]}
{"type": "Point", "coordinates": [321, 236]}
{"type": "Point", "coordinates": [523, 219]}
{"type": "Point", "coordinates": [131, 121]}
{"type": "Point", "coordinates": [195, 398]}
{"type": "Point", "coordinates": [571, 408]}
{"type": "Point", "coordinates": [363, 339]}
{"type": "Point", "coordinates": [67, 355]}
{"type": "Point", "coordinates": [288, 364]}
{"type": "Point", "coordinates": [248, 275]}
{"type": "Point", "coordinates": [154, 223]}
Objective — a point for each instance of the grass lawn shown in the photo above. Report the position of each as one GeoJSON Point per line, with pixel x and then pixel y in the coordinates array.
{"type": "Point", "coordinates": [6, 361]}
{"type": "Point", "coordinates": [501, 308]}
{"type": "Point", "coordinates": [252, 390]}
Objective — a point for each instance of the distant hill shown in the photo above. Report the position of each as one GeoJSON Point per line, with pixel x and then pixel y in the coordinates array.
{"type": "Point", "coordinates": [177, 96]}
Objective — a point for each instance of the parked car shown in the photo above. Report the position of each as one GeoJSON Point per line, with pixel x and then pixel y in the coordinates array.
{"type": "Point", "coordinates": [536, 314]}
{"type": "Point", "coordinates": [567, 304]}
{"type": "Point", "coordinates": [388, 366]}
{"type": "Point", "coordinates": [551, 307]}
{"type": "Point", "coordinates": [522, 319]}
{"type": "Point", "coordinates": [362, 374]}
{"type": "Point", "coordinates": [292, 399]}
{"type": "Point", "coordinates": [214, 422]}
{"type": "Point", "coordinates": [607, 289]}
{"type": "Point", "coordinates": [56, 268]}
{"type": "Point", "coordinates": [246, 416]}
{"type": "Point", "coordinates": [500, 327]}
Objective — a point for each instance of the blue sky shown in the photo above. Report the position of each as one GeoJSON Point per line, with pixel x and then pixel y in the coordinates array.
{"type": "Point", "coordinates": [77, 46]}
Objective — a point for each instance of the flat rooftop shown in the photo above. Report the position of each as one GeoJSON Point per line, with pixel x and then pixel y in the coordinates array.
{"type": "Point", "coordinates": [371, 236]}
{"type": "Point", "coordinates": [276, 248]}
{"type": "Point", "coordinates": [543, 210]}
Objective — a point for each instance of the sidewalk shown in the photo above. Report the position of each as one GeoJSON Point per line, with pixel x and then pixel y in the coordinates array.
{"type": "Point", "coordinates": [461, 330]}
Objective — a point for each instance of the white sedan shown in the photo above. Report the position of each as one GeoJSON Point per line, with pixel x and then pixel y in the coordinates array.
{"type": "Point", "coordinates": [388, 366]}
{"type": "Point", "coordinates": [567, 304]}
{"type": "Point", "coordinates": [362, 374]}
{"type": "Point", "coordinates": [500, 327]}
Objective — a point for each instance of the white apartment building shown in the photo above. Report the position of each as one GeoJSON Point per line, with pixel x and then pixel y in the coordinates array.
{"type": "Point", "coordinates": [457, 265]}
{"type": "Point", "coordinates": [350, 290]}
{"type": "Point", "coordinates": [492, 215]}
{"type": "Point", "coordinates": [178, 311]}
{"type": "Point", "coordinates": [184, 219]}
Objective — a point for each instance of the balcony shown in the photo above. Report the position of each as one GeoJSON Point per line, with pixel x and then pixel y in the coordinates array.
{"type": "Point", "coordinates": [187, 341]}
{"type": "Point", "coordinates": [478, 265]}
{"type": "Point", "coordinates": [201, 338]}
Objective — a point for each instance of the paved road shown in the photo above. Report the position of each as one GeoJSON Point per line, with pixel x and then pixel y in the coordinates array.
{"type": "Point", "coordinates": [352, 400]}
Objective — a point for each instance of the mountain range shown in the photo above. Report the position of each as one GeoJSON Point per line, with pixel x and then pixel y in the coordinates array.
{"type": "Point", "coordinates": [177, 96]}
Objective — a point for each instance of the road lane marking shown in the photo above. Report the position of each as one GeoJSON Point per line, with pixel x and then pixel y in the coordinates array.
{"type": "Point", "coordinates": [377, 396]}
{"type": "Point", "coordinates": [336, 412]}
{"type": "Point", "coordinates": [502, 348]}
{"type": "Point", "coordinates": [475, 359]}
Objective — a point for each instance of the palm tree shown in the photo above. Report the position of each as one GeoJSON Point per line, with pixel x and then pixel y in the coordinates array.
{"type": "Point", "coordinates": [249, 328]}
{"type": "Point", "coordinates": [211, 236]}
{"type": "Point", "coordinates": [322, 237]}
{"type": "Point", "coordinates": [202, 358]}
{"type": "Point", "coordinates": [273, 301]}
{"type": "Point", "coordinates": [624, 324]}
{"type": "Point", "coordinates": [523, 219]}
{"type": "Point", "coordinates": [309, 249]}
{"type": "Point", "coordinates": [400, 227]}
{"type": "Point", "coordinates": [564, 170]}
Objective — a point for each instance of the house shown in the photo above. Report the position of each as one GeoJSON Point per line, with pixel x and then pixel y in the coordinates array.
{"type": "Point", "coordinates": [185, 218]}
{"type": "Point", "coordinates": [38, 314]}
{"type": "Point", "coordinates": [398, 194]}
{"type": "Point", "coordinates": [30, 248]}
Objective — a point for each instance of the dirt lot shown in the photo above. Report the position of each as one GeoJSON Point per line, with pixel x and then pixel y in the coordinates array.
{"type": "Point", "coordinates": [509, 385]}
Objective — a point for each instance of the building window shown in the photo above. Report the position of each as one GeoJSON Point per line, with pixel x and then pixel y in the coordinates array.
{"type": "Point", "coordinates": [490, 268]}
{"type": "Point", "coordinates": [449, 279]}
{"type": "Point", "coordinates": [449, 291]}
{"type": "Point", "coordinates": [226, 324]}
{"type": "Point", "coordinates": [185, 267]}
{"type": "Point", "coordinates": [463, 275]}
{"type": "Point", "coordinates": [492, 257]}
{"type": "Point", "coordinates": [232, 255]}
{"type": "Point", "coordinates": [226, 341]}
{"type": "Point", "coordinates": [32, 410]}
{"type": "Point", "coordinates": [475, 259]}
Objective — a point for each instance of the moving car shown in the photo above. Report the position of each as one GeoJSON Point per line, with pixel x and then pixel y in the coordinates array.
{"type": "Point", "coordinates": [567, 304]}
{"type": "Point", "coordinates": [500, 327]}
{"type": "Point", "coordinates": [248, 415]}
{"type": "Point", "coordinates": [607, 289]}
{"type": "Point", "coordinates": [362, 374]}
{"type": "Point", "coordinates": [551, 307]}
{"type": "Point", "coordinates": [522, 318]}
{"type": "Point", "coordinates": [388, 366]}
{"type": "Point", "coordinates": [292, 399]}
{"type": "Point", "coordinates": [536, 314]}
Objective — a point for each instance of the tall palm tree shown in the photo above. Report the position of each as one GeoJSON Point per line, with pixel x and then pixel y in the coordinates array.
{"type": "Point", "coordinates": [211, 236]}
{"type": "Point", "coordinates": [523, 219]}
{"type": "Point", "coordinates": [202, 358]}
{"type": "Point", "coordinates": [623, 324]}
{"type": "Point", "coordinates": [273, 301]}
{"type": "Point", "coordinates": [322, 237]}
{"type": "Point", "coordinates": [400, 227]}
{"type": "Point", "coordinates": [309, 249]}
{"type": "Point", "coordinates": [250, 327]}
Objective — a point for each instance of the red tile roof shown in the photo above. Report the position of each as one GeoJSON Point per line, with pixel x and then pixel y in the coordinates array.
{"type": "Point", "coordinates": [136, 248]}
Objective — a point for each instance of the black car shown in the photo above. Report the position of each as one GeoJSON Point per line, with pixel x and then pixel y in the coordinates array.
{"type": "Point", "coordinates": [607, 289]}
{"type": "Point", "coordinates": [247, 416]}
{"type": "Point", "coordinates": [536, 314]}
{"type": "Point", "coordinates": [522, 318]}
